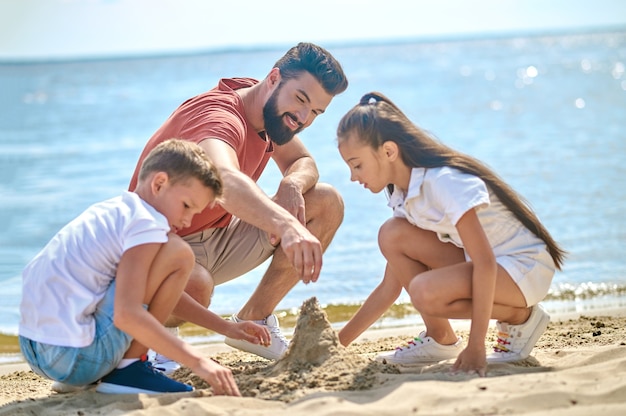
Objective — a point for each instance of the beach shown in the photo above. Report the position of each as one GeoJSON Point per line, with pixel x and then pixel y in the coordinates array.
{"type": "Point", "coordinates": [545, 111]}
{"type": "Point", "coordinates": [578, 367]}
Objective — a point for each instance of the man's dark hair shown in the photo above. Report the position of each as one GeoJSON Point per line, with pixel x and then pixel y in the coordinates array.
{"type": "Point", "coordinates": [318, 62]}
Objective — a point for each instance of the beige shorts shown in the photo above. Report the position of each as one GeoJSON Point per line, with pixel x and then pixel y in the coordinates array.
{"type": "Point", "coordinates": [232, 251]}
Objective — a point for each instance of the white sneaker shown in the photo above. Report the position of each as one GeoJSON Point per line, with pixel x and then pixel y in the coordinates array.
{"type": "Point", "coordinates": [63, 388]}
{"type": "Point", "coordinates": [421, 350]}
{"type": "Point", "coordinates": [274, 351]}
{"type": "Point", "coordinates": [515, 342]}
{"type": "Point", "coordinates": [161, 362]}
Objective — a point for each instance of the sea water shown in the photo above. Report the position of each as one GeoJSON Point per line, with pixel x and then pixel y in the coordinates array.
{"type": "Point", "coordinates": [548, 113]}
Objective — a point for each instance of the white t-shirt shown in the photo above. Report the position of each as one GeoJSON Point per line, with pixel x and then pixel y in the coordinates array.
{"type": "Point", "coordinates": [438, 197]}
{"type": "Point", "coordinates": [64, 283]}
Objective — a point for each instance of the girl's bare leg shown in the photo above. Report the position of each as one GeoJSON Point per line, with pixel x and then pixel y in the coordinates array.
{"type": "Point", "coordinates": [439, 280]}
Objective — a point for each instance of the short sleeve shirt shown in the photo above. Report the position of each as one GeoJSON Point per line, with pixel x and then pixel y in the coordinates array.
{"type": "Point", "coordinates": [437, 198]}
{"type": "Point", "coordinates": [66, 280]}
{"type": "Point", "coordinates": [216, 114]}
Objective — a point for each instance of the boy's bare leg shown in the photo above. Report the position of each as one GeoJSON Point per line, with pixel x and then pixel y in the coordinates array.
{"type": "Point", "coordinates": [168, 277]}
{"type": "Point", "coordinates": [200, 287]}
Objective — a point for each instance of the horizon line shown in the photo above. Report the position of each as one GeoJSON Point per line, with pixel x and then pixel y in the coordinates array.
{"type": "Point", "coordinates": [336, 44]}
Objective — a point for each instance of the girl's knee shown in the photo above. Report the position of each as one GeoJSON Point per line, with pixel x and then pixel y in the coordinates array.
{"type": "Point", "coordinates": [416, 291]}
{"type": "Point", "coordinates": [421, 294]}
{"type": "Point", "coordinates": [391, 235]}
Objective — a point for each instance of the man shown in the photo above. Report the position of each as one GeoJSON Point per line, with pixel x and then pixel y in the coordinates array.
{"type": "Point", "coordinates": [241, 124]}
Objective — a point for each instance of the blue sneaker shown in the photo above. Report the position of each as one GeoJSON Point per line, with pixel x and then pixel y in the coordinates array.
{"type": "Point", "coordinates": [139, 377]}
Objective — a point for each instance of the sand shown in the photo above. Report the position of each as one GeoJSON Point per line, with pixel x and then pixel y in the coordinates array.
{"type": "Point", "coordinates": [577, 368]}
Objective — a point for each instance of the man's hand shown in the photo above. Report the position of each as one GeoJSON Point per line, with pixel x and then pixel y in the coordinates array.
{"type": "Point", "coordinates": [304, 252]}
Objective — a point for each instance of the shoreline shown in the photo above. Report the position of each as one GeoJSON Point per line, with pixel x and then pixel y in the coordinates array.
{"type": "Point", "coordinates": [387, 326]}
{"type": "Point", "coordinates": [562, 300]}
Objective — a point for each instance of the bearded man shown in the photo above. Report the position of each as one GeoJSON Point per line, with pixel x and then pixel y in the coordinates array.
{"type": "Point", "coordinates": [241, 124]}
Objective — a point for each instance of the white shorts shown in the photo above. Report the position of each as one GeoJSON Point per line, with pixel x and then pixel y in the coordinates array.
{"type": "Point", "coordinates": [526, 259]}
{"type": "Point", "coordinates": [532, 274]}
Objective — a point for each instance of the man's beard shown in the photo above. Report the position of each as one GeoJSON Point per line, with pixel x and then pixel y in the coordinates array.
{"type": "Point", "coordinates": [275, 127]}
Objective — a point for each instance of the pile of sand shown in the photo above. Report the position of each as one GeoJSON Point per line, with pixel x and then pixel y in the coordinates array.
{"type": "Point", "coordinates": [315, 361]}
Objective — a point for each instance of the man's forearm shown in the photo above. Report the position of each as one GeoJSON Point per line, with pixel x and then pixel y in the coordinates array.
{"type": "Point", "coordinates": [244, 199]}
{"type": "Point", "coordinates": [302, 174]}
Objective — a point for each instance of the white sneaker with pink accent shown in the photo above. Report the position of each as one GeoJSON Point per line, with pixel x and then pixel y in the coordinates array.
{"type": "Point", "coordinates": [515, 342]}
{"type": "Point", "coordinates": [422, 350]}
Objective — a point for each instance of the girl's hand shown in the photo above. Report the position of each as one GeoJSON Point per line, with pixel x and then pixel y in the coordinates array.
{"type": "Point", "coordinates": [472, 360]}
{"type": "Point", "coordinates": [219, 378]}
{"type": "Point", "coordinates": [249, 331]}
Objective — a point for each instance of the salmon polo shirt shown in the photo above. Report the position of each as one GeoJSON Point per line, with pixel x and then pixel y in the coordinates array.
{"type": "Point", "coordinates": [216, 114]}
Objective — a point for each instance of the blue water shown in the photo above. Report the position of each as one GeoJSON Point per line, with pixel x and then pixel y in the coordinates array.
{"type": "Point", "coordinates": [548, 113]}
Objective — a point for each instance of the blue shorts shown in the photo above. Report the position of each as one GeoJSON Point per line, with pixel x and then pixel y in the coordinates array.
{"type": "Point", "coordinates": [85, 365]}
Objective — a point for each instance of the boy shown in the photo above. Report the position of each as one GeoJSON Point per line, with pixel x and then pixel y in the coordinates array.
{"type": "Point", "coordinates": [94, 299]}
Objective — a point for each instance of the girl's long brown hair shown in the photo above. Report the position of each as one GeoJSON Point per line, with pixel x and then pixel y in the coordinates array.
{"type": "Point", "coordinates": [376, 120]}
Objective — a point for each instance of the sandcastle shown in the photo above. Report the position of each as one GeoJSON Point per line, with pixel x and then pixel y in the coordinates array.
{"type": "Point", "coordinates": [314, 340]}
{"type": "Point", "coordinates": [315, 361]}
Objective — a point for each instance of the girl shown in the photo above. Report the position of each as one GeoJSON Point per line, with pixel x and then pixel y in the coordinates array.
{"type": "Point", "coordinates": [461, 242]}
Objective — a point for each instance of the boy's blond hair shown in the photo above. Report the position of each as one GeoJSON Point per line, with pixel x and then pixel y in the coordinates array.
{"type": "Point", "coordinates": [182, 160]}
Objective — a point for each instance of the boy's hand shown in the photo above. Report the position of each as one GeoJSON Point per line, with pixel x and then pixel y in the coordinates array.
{"type": "Point", "coordinates": [219, 378]}
{"type": "Point", "coordinates": [249, 331]}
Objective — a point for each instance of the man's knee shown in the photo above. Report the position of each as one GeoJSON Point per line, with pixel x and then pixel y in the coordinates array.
{"type": "Point", "coordinates": [324, 202]}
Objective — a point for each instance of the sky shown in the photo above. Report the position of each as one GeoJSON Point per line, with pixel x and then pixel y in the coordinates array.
{"type": "Point", "coordinates": [59, 29]}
